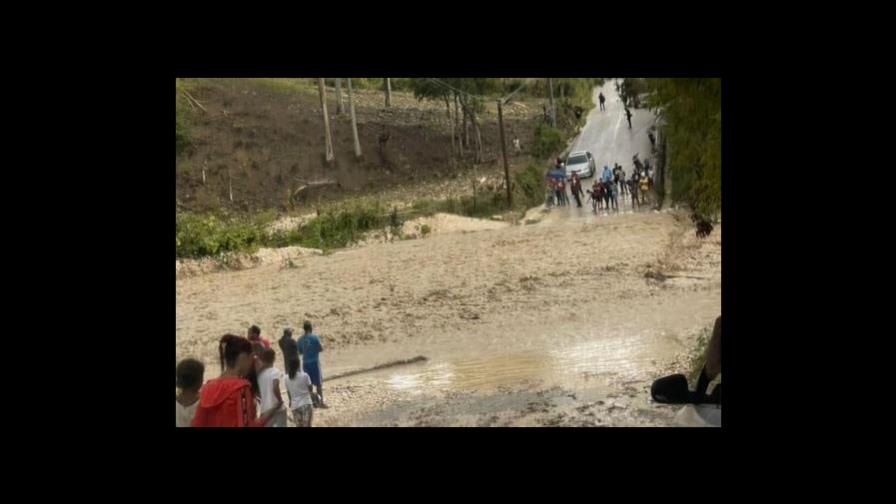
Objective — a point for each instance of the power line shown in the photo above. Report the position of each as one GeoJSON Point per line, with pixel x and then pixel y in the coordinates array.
{"type": "Point", "coordinates": [437, 81]}
{"type": "Point", "coordinates": [507, 98]}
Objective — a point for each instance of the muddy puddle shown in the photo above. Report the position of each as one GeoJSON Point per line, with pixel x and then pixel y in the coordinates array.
{"type": "Point", "coordinates": [598, 365]}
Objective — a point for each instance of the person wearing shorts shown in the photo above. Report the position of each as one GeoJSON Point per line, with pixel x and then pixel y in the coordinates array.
{"type": "Point", "coordinates": [310, 349]}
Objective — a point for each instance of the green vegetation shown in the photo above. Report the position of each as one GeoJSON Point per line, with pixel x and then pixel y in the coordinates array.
{"type": "Point", "coordinates": [339, 226]}
{"type": "Point", "coordinates": [570, 96]}
{"type": "Point", "coordinates": [692, 110]}
{"type": "Point", "coordinates": [630, 91]}
{"type": "Point", "coordinates": [548, 141]}
{"type": "Point", "coordinates": [396, 84]}
{"type": "Point", "coordinates": [210, 235]}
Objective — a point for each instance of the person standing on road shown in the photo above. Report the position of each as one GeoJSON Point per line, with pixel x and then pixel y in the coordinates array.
{"type": "Point", "coordinates": [576, 186]}
{"type": "Point", "coordinates": [555, 187]}
{"type": "Point", "coordinates": [633, 190]}
{"type": "Point", "coordinates": [644, 186]}
{"type": "Point", "coordinates": [622, 181]}
{"type": "Point", "coordinates": [614, 196]}
{"type": "Point", "coordinates": [310, 349]}
{"type": "Point", "coordinates": [563, 192]}
{"type": "Point", "coordinates": [617, 178]}
{"type": "Point", "coordinates": [595, 195]}
{"type": "Point", "coordinates": [607, 195]}
{"type": "Point", "coordinates": [607, 175]}
{"type": "Point", "coordinates": [601, 98]}
{"type": "Point", "coordinates": [628, 115]}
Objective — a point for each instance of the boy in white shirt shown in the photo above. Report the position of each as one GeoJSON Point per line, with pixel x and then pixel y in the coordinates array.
{"type": "Point", "coordinates": [269, 388]}
{"type": "Point", "coordinates": [188, 376]}
{"type": "Point", "coordinates": [298, 387]}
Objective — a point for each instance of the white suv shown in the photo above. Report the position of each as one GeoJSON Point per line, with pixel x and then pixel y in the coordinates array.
{"type": "Point", "coordinates": [582, 163]}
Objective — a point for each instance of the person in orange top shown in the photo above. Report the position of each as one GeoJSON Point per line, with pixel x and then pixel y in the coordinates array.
{"type": "Point", "coordinates": [228, 401]}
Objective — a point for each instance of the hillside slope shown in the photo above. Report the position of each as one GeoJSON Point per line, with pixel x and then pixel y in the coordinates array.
{"type": "Point", "coordinates": [263, 136]}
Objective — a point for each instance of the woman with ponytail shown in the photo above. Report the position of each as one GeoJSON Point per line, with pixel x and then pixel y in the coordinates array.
{"type": "Point", "coordinates": [229, 401]}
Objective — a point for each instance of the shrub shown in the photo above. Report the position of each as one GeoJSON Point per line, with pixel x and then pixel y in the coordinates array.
{"type": "Point", "coordinates": [548, 141]}
{"type": "Point", "coordinates": [208, 235]}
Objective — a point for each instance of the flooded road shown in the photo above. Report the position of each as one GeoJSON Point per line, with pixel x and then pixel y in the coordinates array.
{"type": "Point", "coordinates": [555, 323]}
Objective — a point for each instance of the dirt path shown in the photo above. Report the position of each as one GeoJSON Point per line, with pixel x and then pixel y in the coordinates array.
{"type": "Point", "coordinates": [552, 323]}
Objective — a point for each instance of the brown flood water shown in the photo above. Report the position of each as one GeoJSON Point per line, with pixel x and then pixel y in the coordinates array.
{"type": "Point", "coordinates": [515, 332]}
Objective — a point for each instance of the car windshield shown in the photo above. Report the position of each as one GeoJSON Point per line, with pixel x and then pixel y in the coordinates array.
{"type": "Point", "coordinates": [576, 160]}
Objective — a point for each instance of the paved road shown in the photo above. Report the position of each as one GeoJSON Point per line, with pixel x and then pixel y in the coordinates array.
{"type": "Point", "coordinates": [607, 136]}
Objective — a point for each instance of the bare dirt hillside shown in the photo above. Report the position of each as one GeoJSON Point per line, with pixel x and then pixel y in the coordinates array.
{"type": "Point", "coordinates": [263, 136]}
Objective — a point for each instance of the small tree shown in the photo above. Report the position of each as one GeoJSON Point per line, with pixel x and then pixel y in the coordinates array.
{"type": "Point", "coordinates": [692, 110]}
{"type": "Point", "coordinates": [351, 106]}
{"type": "Point", "coordinates": [340, 108]}
{"type": "Point", "coordinates": [323, 105]}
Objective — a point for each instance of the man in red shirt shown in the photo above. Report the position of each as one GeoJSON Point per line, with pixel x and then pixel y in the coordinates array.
{"type": "Point", "coordinates": [255, 336]}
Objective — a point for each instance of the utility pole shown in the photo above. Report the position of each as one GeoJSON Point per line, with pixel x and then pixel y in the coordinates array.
{"type": "Point", "coordinates": [504, 153]}
{"type": "Point", "coordinates": [501, 103]}
{"type": "Point", "coordinates": [553, 112]}
{"type": "Point", "coordinates": [351, 106]}
{"type": "Point", "coordinates": [388, 92]}
{"type": "Point", "coordinates": [323, 105]}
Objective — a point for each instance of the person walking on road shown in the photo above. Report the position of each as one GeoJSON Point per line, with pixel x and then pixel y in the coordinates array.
{"type": "Point", "coordinates": [576, 186]}
{"type": "Point", "coordinates": [601, 98]}
{"type": "Point", "coordinates": [628, 115]}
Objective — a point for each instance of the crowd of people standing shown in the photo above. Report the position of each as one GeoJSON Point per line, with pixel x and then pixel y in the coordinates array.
{"type": "Point", "coordinates": [608, 188]}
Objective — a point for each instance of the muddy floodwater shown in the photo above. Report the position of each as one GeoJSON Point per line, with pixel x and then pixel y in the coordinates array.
{"type": "Point", "coordinates": [514, 332]}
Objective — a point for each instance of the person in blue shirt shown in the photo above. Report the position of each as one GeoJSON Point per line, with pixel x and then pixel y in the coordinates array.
{"type": "Point", "coordinates": [310, 349]}
{"type": "Point", "coordinates": [607, 175]}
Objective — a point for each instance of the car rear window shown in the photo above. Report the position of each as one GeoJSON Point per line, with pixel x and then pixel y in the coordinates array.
{"type": "Point", "coordinates": [577, 160]}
